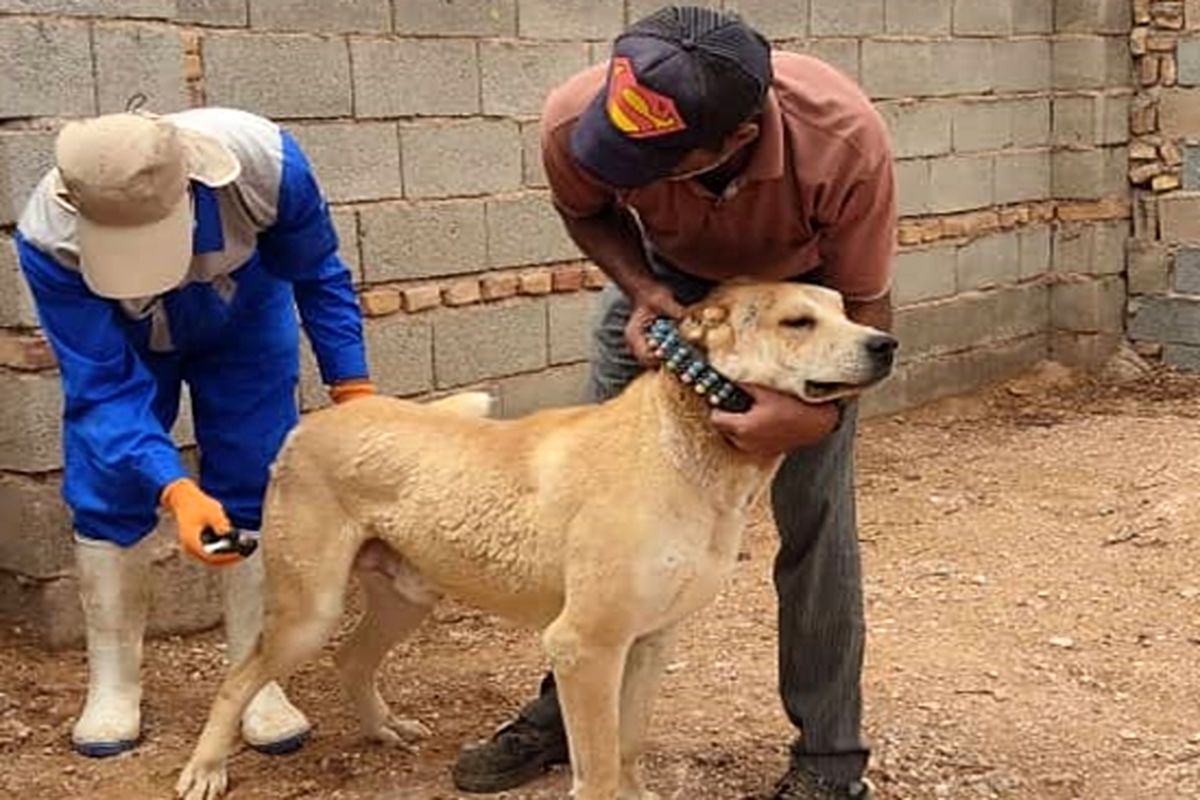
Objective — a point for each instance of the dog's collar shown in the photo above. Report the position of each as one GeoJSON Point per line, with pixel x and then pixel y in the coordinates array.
{"type": "Point", "coordinates": [689, 365]}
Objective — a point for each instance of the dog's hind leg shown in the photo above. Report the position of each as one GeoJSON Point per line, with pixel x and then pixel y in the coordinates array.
{"type": "Point", "coordinates": [304, 599]}
{"type": "Point", "coordinates": [644, 668]}
{"type": "Point", "coordinates": [397, 599]}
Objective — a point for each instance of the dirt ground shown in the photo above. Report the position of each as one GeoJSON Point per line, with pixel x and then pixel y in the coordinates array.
{"type": "Point", "coordinates": [1033, 588]}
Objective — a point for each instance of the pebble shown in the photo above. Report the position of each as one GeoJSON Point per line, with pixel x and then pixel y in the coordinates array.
{"type": "Point", "coordinates": [1064, 642]}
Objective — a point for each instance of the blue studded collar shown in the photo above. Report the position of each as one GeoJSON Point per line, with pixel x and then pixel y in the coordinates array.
{"type": "Point", "coordinates": [689, 365]}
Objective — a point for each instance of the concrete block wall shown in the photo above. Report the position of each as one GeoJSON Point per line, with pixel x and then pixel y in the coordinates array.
{"type": "Point", "coordinates": [1164, 170]}
{"type": "Point", "coordinates": [1009, 119]}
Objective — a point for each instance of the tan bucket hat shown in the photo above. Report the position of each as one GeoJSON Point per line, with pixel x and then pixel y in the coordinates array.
{"type": "Point", "coordinates": [126, 175]}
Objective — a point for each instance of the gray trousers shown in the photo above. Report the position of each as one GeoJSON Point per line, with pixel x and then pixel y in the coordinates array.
{"type": "Point", "coordinates": [818, 575]}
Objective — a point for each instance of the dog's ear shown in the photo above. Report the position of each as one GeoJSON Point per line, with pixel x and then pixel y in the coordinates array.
{"type": "Point", "coordinates": [705, 323]}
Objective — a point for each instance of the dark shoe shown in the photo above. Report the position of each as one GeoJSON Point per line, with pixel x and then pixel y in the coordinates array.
{"type": "Point", "coordinates": [522, 750]}
{"type": "Point", "coordinates": [804, 784]}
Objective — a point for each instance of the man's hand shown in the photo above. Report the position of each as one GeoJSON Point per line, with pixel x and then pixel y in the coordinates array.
{"type": "Point", "coordinates": [654, 301]}
{"type": "Point", "coordinates": [776, 423]}
{"type": "Point", "coordinates": [194, 511]}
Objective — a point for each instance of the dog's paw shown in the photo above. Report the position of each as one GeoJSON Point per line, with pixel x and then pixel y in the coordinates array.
{"type": "Point", "coordinates": [400, 731]}
{"type": "Point", "coordinates": [200, 782]}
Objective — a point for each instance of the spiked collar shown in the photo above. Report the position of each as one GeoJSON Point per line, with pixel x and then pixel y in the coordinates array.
{"type": "Point", "coordinates": [688, 364]}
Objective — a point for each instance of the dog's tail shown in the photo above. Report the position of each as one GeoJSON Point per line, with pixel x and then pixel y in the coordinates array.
{"type": "Point", "coordinates": [467, 404]}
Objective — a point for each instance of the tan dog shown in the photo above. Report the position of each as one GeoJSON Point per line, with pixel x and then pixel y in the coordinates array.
{"type": "Point", "coordinates": [603, 525]}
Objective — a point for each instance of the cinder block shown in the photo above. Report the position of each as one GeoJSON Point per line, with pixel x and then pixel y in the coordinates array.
{"type": "Point", "coordinates": [459, 18]}
{"type": "Point", "coordinates": [1086, 121]}
{"type": "Point", "coordinates": [343, 16]}
{"type": "Point", "coordinates": [25, 156]}
{"type": "Point", "coordinates": [1148, 264]}
{"type": "Point", "coordinates": [1032, 16]}
{"type": "Point", "coordinates": [570, 19]}
{"type": "Point", "coordinates": [1087, 351]}
{"type": "Point", "coordinates": [1179, 113]}
{"type": "Point", "coordinates": [1022, 176]}
{"type": "Point", "coordinates": [982, 17]}
{"type": "Point", "coordinates": [1087, 62]}
{"type": "Point", "coordinates": [981, 125]}
{"type": "Point", "coordinates": [1186, 275]}
{"type": "Point", "coordinates": [966, 371]}
{"type": "Point", "coordinates": [570, 326]}
{"type": "Point", "coordinates": [37, 527]}
{"type": "Point", "coordinates": [972, 320]}
{"type": "Point", "coordinates": [143, 9]}
{"type": "Point", "coordinates": [924, 274]}
{"type": "Point", "coordinates": [1034, 244]}
{"type": "Point", "coordinates": [133, 59]}
{"type": "Point", "coordinates": [920, 17]}
{"type": "Point", "coordinates": [533, 170]}
{"type": "Point", "coordinates": [775, 19]}
{"type": "Point", "coordinates": [31, 427]}
{"type": "Point", "coordinates": [1031, 122]}
{"type": "Point", "coordinates": [551, 388]}
{"type": "Point", "coordinates": [1183, 357]}
{"type": "Point", "coordinates": [1091, 306]}
{"type": "Point", "coordinates": [410, 77]}
{"type": "Point", "coordinates": [1092, 16]}
{"type": "Point", "coordinates": [1108, 248]}
{"type": "Point", "coordinates": [516, 76]}
{"type": "Point", "coordinates": [918, 128]}
{"type": "Point", "coordinates": [345, 222]}
{"type": "Point", "coordinates": [353, 160]}
{"type": "Point", "coordinates": [1020, 65]}
{"type": "Point", "coordinates": [840, 53]}
{"type": "Point", "coordinates": [278, 76]}
{"type": "Point", "coordinates": [839, 18]}
{"type": "Point", "coordinates": [400, 349]}
{"type": "Point", "coordinates": [310, 392]}
{"type": "Point", "coordinates": [1188, 59]}
{"type": "Point", "coordinates": [16, 301]}
{"type": "Point", "coordinates": [472, 157]}
{"type": "Point", "coordinates": [401, 241]}
{"type": "Point", "coordinates": [989, 261]}
{"type": "Point", "coordinates": [1191, 167]}
{"type": "Point", "coordinates": [924, 69]}
{"type": "Point", "coordinates": [525, 229]}
{"type": "Point", "coordinates": [959, 183]}
{"type": "Point", "coordinates": [1179, 217]}
{"type": "Point", "coordinates": [45, 69]}
{"type": "Point", "coordinates": [1166, 319]}
{"type": "Point", "coordinates": [912, 187]}
{"type": "Point", "coordinates": [490, 341]}
{"type": "Point", "coordinates": [1090, 173]}
{"type": "Point", "coordinates": [228, 13]}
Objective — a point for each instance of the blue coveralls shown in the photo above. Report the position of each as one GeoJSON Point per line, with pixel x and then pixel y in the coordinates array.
{"type": "Point", "coordinates": [231, 336]}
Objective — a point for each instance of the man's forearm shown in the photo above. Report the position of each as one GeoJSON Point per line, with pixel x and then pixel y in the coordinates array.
{"type": "Point", "coordinates": [613, 242]}
{"type": "Point", "coordinates": [876, 313]}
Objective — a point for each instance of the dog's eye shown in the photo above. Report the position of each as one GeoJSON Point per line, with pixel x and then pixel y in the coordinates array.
{"type": "Point", "coordinates": [800, 323]}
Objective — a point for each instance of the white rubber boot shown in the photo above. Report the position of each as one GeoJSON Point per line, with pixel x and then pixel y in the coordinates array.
{"type": "Point", "coordinates": [270, 724]}
{"type": "Point", "coordinates": [115, 596]}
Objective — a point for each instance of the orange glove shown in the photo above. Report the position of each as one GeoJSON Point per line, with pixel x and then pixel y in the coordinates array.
{"type": "Point", "coordinates": [351, 390]}
{"type": "Point", "coordinates": [194, 511]}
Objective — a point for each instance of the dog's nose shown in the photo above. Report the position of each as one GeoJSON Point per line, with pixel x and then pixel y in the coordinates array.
{"type": "Point", "coordinates": [882, 346]}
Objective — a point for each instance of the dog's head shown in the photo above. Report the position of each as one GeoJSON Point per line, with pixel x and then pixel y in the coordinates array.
{"type": "Point", "coordinates": [790, 337]}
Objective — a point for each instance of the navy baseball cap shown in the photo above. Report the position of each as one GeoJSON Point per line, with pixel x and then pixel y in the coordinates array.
{"type": "Point", "coordinates": [682, 78]}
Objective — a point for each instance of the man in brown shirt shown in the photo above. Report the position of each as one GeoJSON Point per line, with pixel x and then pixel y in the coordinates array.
{"type": "Point", "coordinates": [693, 156]}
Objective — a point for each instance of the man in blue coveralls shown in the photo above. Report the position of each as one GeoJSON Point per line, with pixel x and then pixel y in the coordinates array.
{"type": "Point", "coordinates": [164, 250]}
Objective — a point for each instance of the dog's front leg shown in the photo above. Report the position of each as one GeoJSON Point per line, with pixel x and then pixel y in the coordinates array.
{"type": "Point", "coordinates": [588, 671]}
{"type": "Point", "coordinates": [644, 668]}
